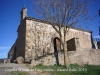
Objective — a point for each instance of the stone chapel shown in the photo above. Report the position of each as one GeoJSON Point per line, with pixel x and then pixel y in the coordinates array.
{"type": "Point", "coordinates": [38, 41]}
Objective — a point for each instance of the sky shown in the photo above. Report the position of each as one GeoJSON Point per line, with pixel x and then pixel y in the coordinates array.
{"type": "Point", "coordinates": [10, 20]}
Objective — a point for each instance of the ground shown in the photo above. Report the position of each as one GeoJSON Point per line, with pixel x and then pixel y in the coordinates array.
{"type": "Point", "coordinates": [10, 69]}
{"type": "Point", "coordinates": [28, 69]}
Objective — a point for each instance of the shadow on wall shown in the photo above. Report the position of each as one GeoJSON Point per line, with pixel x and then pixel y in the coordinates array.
{"type": "Point", "coordinates": [71, 46]}
{"type": "Point", "coordinates": [98, 43]}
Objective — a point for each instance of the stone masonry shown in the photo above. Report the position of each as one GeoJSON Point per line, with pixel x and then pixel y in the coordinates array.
{"type": "Point", "coordinates": [36, 43]}
{"type": "Point", "coordinates": [41, 36]}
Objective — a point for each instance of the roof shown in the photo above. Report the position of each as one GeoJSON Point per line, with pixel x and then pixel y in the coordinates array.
{"type": "Point", "coordinates": [47, 22]}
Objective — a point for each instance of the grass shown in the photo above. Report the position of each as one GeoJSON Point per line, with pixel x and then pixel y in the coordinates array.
{"type": "Point", "coordinates": [74, 69]}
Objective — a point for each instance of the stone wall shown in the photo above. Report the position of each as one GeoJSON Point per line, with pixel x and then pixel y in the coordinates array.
{"type": "Point", "coordinates": [86, 56]}
{"type": "Point", "coordinates": [20, 43]}
{"type": "Point", "coordinates": [80, 57]}
{"type": "Point", "coordinates": [40, 36]}
{"type": "Point", "coordinates": [12, 53]}
{"type": "Point", "coordinates": [84, 37]}
{"type": "Point", "coordinates": [49, 59]}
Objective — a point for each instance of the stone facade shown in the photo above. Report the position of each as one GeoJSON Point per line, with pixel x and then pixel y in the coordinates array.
{"type": "Point", "coordinates": [41, 36]}
{"type": "Point", "coordinates": [12, 53]}
{"type": "Point", "coordinates": [80, 57]}
{"type": "Point", "coordinates": [20, 43]}
{"type": "Point", "coordinates": [37, 40]}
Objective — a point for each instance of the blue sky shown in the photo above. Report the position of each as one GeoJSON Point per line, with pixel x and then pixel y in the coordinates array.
{"type": "Point", "coordinates": [10, 20]}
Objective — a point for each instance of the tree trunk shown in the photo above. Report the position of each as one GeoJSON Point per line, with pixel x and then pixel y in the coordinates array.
{"type": "Point", "coordinates": [61, 41]}
{"type": "Point", "coordinates": [66, 61]}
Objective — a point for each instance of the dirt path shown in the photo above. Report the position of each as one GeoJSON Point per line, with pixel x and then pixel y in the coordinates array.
{"type": "Point", "coordinates": [12, 69]}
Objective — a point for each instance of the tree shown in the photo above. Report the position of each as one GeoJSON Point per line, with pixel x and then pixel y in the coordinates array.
{"type": "Point", "coordinates": [65, 14]}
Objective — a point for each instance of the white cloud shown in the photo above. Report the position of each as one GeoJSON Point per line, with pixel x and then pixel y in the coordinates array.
{"type": "Point", "coordinates": [2, 48]}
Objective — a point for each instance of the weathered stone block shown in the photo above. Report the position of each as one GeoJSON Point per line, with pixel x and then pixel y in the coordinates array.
{"type": "Point", "coordinates": [20, 60]}
{"type": "Point", "coordinates": [6, 60]}
{"type": "Point", "coordinates": [33, 63]}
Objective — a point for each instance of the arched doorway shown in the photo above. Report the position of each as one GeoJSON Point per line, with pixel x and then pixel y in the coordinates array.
{"type": "Point", "coordinates": [57, 44]}
{"type": "Point", "coordinates": [57, 47]}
